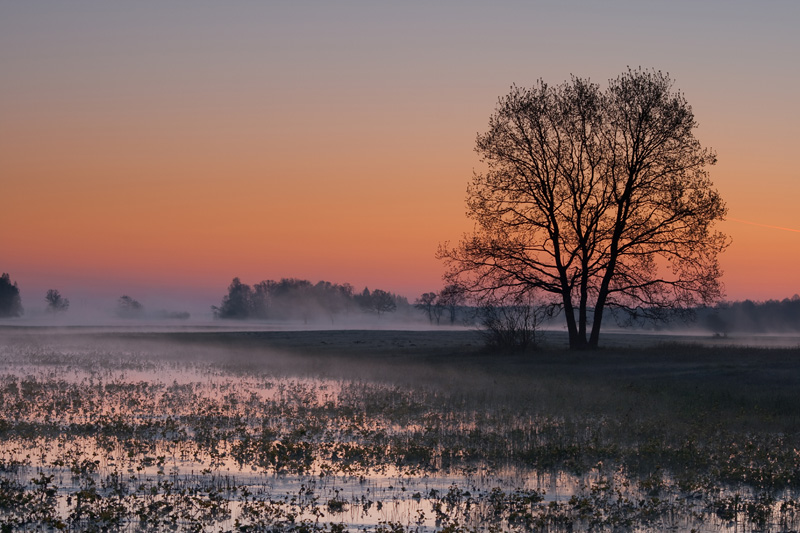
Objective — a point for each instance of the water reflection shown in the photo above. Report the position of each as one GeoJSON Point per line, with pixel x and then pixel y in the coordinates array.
{"type": "Point", "coordinates": [124, 439]}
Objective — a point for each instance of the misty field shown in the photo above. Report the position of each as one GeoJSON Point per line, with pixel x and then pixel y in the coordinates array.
{"type": "Point", "coordinates": [215, 430]}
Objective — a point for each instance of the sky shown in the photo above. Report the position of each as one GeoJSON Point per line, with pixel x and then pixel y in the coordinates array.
{"type": "Point", "coordinates": [159, 149]}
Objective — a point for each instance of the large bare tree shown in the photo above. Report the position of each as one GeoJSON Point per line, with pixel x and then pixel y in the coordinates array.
{"type": "Point", "coordinates": [600, 199]}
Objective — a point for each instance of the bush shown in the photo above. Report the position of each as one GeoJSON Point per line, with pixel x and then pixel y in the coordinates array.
{"type": "Point", "coordinates": [511, 322]}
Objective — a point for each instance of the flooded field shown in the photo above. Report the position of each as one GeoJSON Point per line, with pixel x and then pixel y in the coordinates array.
{"type": "Point", "coordinates": [391, 431]}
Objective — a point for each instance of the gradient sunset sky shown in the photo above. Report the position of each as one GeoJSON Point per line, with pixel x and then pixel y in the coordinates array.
{"type": "Point", "coordinates": [166, 147]}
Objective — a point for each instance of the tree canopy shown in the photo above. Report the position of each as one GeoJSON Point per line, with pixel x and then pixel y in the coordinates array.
{"type": "Point", "coordinates": [56, 302]}
{"type": "Point", "coordinates": [593, 199]}
{"type": "Point", "coordinates": [128, 307]}
{"type": "Point", "coordinates": [297, 299]}
{"type": "Point", "coordinates": [10, 300]}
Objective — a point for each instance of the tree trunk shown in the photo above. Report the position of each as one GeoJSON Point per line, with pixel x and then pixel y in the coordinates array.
{"type": "Point", "coordinates": [583, 304]}
{"type": "Point", "coordinates": [576, 329]}
{"type": "Point", "coordinates": [594, 339]}
{"type": "Point", "coordinates": [578, 342]}
{"type": "Point", "coordinates": [576, 339]}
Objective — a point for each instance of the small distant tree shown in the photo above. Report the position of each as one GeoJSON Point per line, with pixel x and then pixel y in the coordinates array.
{"type": "Point", "coordinates": [10, 301]}
{"type": "Point", "coordinates": [55, 302]}
{"type": "Point", "coordinates": [238, 303]}
{"type": "Point", "coordinates": [127, 307]}
{"type": "Point", "coordinates": [364, 300]}
{"type": "Point", "coordinates": [451, 298]}
{"type": "Point", "coordinates": [333, 298]}
{"type": "Point", "coordinates": [382, 302]}
{"type": "Point", "coordinates": [432, 305]}
{"type": "Point", "coordinates": [260, 299]}
{"type": "Point", "coordinates": [425, 304]}
{"type": "Point", "coordinates": [438, 310]}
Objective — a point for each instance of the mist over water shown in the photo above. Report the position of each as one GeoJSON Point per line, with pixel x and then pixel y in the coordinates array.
{"type": "Point", "coordinates": [164, 310]}
{"type": "Point", "coordinates": [368, 427]}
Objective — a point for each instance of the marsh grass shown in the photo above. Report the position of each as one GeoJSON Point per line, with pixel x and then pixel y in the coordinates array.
{"type": "Point", "coordinates": [392, 431]}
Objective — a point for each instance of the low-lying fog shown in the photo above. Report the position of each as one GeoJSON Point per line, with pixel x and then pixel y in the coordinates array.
{"type": "Point", "coordinates": [292, 304]}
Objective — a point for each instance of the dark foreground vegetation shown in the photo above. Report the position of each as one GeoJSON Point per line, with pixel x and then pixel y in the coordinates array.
{"type": "Point", "coordinates": [392, 431]}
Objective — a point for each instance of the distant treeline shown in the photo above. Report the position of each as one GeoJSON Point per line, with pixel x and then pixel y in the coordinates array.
{"type": "Point", "coordinates": [772, 316]}
{"type": "Point", "coordinates": [299, 299]}
{"type": "Point", "coordinates": [127, 307]}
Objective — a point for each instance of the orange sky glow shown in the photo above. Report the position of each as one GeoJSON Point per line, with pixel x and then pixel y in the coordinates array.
{"type": "Point", "coordinates": [175, 148]}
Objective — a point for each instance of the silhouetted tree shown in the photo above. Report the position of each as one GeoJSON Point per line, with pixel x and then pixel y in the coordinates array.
{"type": "Point", "coordinates": [56, 302]}
{"type": "Point", "coordinates": [378, 301]}
{"type": "Point", "coordinates": [425, 304]}
{"type": "Point", "coordinates": [260, 300]}
{"type": "Point", "coordinates": [438, 310]}
{"type": "Point", "coordinates": [333, 298]}
{"type": "Point", "coordinates": [294, 298]}
{"type": "Point", "coordinates": [288, 298]}
{"type": "Point", "coordinates": [451, 297]}
{"type": "Point", "coordinates": [127, 307]}
{"type": "Point", "coordinates": [382, 302]}
{"type": "Point", "coordinates": [10, 300]}
{"type": "Point", "coordinates": [238, 303]}
{"type": "Point", "coordinates": [597, 199]}
{"type": "Point", "coordinates": [364, 300]}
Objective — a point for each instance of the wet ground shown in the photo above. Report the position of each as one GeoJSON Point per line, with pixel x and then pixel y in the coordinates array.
{"type": "Point", "coordinates": [391, 431]}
